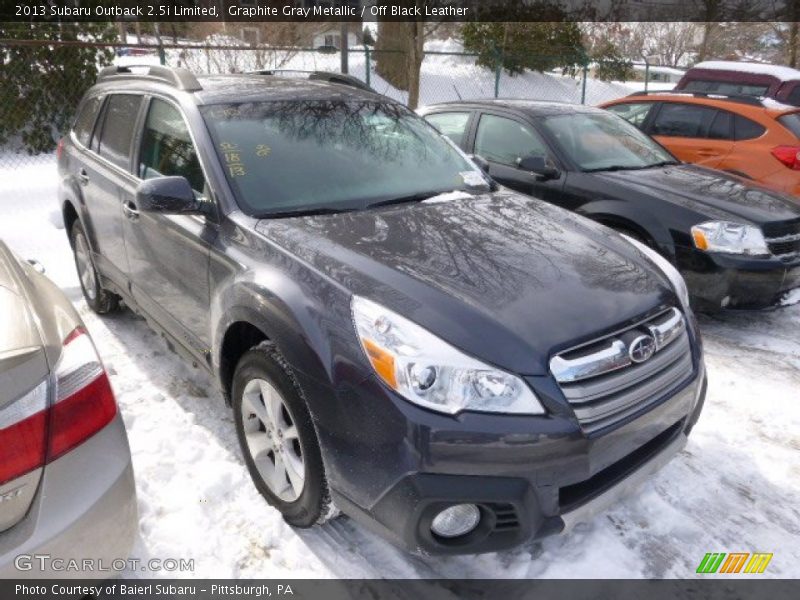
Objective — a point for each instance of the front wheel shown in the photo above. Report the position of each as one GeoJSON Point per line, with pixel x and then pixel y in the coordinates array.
{"type": "Point", "coordinates": [277, 438]}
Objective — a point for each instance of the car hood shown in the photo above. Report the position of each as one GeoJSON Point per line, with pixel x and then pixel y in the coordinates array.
{"type": "Point", "coordinates": [718, 194]}
{"type": "Point", "coordinates": [506, 278]}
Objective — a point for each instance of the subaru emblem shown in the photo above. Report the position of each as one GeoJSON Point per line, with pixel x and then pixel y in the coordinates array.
{"type": "Point", "coordinates": [642, 348]}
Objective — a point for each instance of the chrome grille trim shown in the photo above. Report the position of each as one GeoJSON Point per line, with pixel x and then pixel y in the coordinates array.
{"type": "Point", "coordinates": [600, 395]}
{"type": "Point", "coordinates": [612, 355]}
{"type": "Point", "coordinates": [783, 239]}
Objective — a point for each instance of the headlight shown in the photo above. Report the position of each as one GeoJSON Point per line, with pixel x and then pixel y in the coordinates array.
{"type": "Point", "coordinates": [430, 372]}
{"type": "Point", "coordinates": [730, 238]}
{"type": "Point", "coordinates": [675, 278]}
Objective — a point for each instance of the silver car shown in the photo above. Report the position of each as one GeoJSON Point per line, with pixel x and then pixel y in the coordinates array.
{"type": "Point", "coordinates": [66, 480]}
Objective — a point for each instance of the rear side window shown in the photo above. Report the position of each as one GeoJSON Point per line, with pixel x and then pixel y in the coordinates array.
{"type": "Point", "coordinates": [683, 120]}
{"type": "Point", "coordinates": [791, 122]}
{"type": "Point", "coordinates": [118, 125]}
{"type": "Point", "coordinates": [84, 123]}
{"type": "Point", "coordinates": [728, 88]}
{"type": "Point", "coordinates": [633, 112]}
{"type": "Point", "coordinates": [794, 96]}
{"type": "Point", "coordinates": [721, 127]}
{"type": "Point", "coordinates": [167, 147]}
{"type": "Point", "coordinates": [747, 129]}
{"type": "Point", "coordinates": [451, 124]}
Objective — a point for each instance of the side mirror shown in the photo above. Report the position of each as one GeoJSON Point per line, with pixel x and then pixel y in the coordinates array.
{"type": "Point", "coordinates": [480, 162]}
{"type": "Point", "coordinates": [538, 166]}
{"type": "Point", "coordinates": [168, 195]}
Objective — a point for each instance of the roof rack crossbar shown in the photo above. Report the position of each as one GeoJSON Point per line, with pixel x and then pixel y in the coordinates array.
{"type": "Point", "coordinates": [740, 98]}
{"type": "Point", "coordinates": [178, 77]}
{"type": "Point", "coordinates": [329, 76]}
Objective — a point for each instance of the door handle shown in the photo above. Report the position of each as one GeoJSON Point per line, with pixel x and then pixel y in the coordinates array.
{"type": "Point", "coordinates": [130, 211]}
{"type": "Point", "coordinates": [83, 177]}
{"type": "Point", "coordinates": [707, 152]}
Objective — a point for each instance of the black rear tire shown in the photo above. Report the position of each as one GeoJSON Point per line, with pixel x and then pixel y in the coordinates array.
{"type": "Point", "coordinates": [313, 504]}
{"type": "Point", "coordinates": [99, 299]}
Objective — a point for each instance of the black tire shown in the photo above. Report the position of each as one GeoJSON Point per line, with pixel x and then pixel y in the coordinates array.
{"type": "Point", "coordinates": [99, 299]}
{"type": "Point", "coordinates": [313, 505]}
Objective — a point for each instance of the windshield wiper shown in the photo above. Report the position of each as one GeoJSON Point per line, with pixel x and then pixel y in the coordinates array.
{"type": "Point", "coordinates": [304, 212]}
{"type": "Point", "coordinates": [663, 163]}
{"type": "Point", "coordinates": [418, 197]}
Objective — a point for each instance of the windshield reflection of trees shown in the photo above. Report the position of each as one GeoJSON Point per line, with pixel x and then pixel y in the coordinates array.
{"type": "Point", "coordinates": [386, 131]}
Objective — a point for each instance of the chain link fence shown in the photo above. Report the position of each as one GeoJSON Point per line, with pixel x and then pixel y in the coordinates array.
{"type": "Point", "coordinates": [44, 80]}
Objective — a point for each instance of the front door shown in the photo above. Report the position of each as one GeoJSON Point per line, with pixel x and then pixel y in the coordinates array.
{"type": "Point", "coordinates": [503, 141]}
{"type": "Point", "coordinates": [168, 254]}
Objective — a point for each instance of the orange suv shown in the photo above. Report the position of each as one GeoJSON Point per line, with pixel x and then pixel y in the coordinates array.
{"type": "Point", "coordinates": [756, 139]}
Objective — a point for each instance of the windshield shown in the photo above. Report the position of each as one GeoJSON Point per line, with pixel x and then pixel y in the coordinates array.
{"type": "Point", "coordinates": [603, 141]}
{"type": "Point", "coordinates": [292, 157]}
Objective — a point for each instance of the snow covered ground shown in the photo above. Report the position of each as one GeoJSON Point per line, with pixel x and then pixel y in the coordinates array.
{"type": "Point", "coordinates": [735, 488]}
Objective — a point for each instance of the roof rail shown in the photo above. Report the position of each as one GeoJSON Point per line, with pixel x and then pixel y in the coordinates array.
{"type": "Point", "coordinates": [329, 76]}
{"type": "Point", "coordinates": [178, 77]}
{"type": "Point", "coordinates": [740, 98]}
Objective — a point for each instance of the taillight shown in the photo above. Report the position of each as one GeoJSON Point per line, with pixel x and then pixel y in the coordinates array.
{"type": "Point", "coordinates": [33, 434]}
{"type": "Point", "coordinates": [84, 402]}
{"type": "Point", "coordinates": [23, 434]}
{"type": "Point", "coordinates": [788, 155]}
{"type": "Point", "coordinates": [59, 148]}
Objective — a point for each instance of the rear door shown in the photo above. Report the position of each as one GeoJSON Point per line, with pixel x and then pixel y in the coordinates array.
{"type": "Point", "coordinates": [694, 133]}
{"type": "Point", "coordinates": [169, 254]}
{"type": "Point", "coordinates": [23, 398]}
{"type": "Point", "coordinates": [104, 175]}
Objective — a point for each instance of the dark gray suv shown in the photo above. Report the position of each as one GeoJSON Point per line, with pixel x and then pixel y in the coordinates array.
{"type": "Point", "coordinates": [458, 367]}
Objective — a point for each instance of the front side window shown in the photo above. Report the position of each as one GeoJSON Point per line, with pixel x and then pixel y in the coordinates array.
{"type": "Point", "coordinates": [451, 124]}
{"type": "Point", "coordinates": [167, 147]}
{"type": "Point", "coordinates": [683, 120]}
{"type": "Point", "coordinates": [292, 156]}
{"type": "Point", "coordinates": [118, 125]}
{"type": "Point", "coordinates": [602, 141]}
{"type": "Point", "coordinates": [84, 123]}
{"type": "Point", "coordinates": [633, 112]}
{"type": "Point", "coordinates": [506, 141]}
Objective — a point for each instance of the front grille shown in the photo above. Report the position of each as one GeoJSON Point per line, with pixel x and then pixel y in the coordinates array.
{"type": "Point", "coordinates": [783, 239]}
{"type": "Point", "coordinates": [604, 385]}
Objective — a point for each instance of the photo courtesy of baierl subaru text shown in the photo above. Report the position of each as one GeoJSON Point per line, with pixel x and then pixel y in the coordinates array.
{"type": "Point", "coordinates": [400, 299]}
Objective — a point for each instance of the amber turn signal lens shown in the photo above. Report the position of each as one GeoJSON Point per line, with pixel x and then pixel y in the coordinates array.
{"type": "Point", "coordinates": [382, 361]}
{"type": "Point", "coordinates": [699, 239]}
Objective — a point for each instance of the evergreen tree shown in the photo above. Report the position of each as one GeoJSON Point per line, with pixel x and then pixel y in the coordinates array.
{"type": "Point", "coordinates": [43, 82]}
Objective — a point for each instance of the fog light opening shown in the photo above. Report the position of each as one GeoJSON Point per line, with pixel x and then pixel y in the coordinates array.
{"type": "Point", "coordinates": [456, 521]}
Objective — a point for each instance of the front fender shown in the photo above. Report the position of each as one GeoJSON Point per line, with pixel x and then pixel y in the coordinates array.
{"type": "Point", "coordinates": [616, 212]}
{"type": "Point", "coordinates": [306, 317]}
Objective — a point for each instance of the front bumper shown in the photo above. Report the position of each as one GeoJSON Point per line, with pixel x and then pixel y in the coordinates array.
{"type": "Point", "coordinates": [85, 509]}
{"type": "Point", "coordinates": [719, 281]}
{"type": "Point", "coordinates": [530, 476]}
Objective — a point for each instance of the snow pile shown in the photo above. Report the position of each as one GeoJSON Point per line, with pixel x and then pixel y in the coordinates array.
{"type": "Point", "coordinates": [777, 71]}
